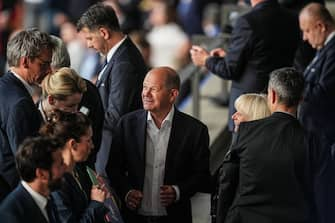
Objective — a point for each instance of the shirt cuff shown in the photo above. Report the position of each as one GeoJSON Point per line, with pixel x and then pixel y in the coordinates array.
{"type": "Point", "coordinates": [176, 188]}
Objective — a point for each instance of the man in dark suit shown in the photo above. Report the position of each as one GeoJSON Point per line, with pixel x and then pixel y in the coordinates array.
{"type": "Point", "coordinates": [40, 165]}
{"type": "Point", "coordinates": [318, 107]}
{"type": "Point", "coordinates": [259, 44]}
{"type": "Point", "coordinates": [159, 156]}
{"type": "Point", "coordinates": [119, 83]}
{"type": "Point", "coordinates": [264, 172]}
{"type": "Point", "coordinates": [29, 56]}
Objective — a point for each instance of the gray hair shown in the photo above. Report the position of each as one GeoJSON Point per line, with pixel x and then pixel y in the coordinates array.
{"type": "Point", "coordinates": [27, 43]}
{"type": "Point", "coordinates": [60, 55]}
{"type": "Point", "coordinates": [288, 83]}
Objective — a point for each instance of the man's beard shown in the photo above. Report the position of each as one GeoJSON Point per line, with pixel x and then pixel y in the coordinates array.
{"type": "Point", "coordinates": [54, 184]}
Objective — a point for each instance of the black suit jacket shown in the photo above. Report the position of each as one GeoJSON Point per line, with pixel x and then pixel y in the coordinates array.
{"type": "Point", "coordinates": [187, 160]}
{"type": "Point", "coordinates": [92, 101]}
{"type": "Point", "coordinates": [19, 118]}
{"type": "Point", "coordinates": [120, 89]}
{"type": "Point", "coordinates": [20, 207]}
{"type": "Point", "coordinates": [264, 176]}
{"type": "Point", "coordinates": [264, 39]}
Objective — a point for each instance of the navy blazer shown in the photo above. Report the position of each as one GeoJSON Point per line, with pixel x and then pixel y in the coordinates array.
{"type": "Point", "coordinates": [317, 109]}
{"type": "Point", "coordinates": [187, 160]}
{"type": "Point", "coordinates": [19, 118]}
{"type": "Point", "coordinates": [120, 89]}
{"type": "Point", "coordinates": [92, 101]}
{"type": "Point", "coordinates": [20, 207]}
{"type": "Point", "coordinates": [264, 174]}
{"type": "Point", "coordinates": [264, 39]}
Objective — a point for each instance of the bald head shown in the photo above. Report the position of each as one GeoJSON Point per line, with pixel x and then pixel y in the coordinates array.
{"type": "Point", "coordinates": [316, 23]}
{"type": "Point", "coordinates": [317, 11]}
{"type": "Point", "coordinates": [170, 76]}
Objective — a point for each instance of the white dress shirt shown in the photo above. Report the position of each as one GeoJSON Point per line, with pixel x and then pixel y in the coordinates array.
{"type": "Point", "coordinates": [156, 147]}
{"type": "Point", "coordinates": [29, 88]}
{"type": "Point", "coordinates": [110, 54]}
{"type": "Point", "coordinates": [39, 199]}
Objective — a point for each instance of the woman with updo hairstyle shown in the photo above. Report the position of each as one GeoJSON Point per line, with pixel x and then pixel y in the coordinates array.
{"type": "Point", "coordinates": [61, 90]}
{"type": "Point", "coordinates": [77, 200]}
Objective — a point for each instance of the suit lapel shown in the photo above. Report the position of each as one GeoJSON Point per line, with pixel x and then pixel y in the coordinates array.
{"type": "Point", "coordinates": [141, 135]}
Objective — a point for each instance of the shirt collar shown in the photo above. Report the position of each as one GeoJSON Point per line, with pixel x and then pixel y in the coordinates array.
{"type": "Point", "coordinates": [112, 51]}
{"type": "Point", "coordinates": [330, 36]}
{"type": "Point", "coordinates": [29, 88]}
{"type": "Point", "coordinates": [167, 119]}
{"type": "Point", "coordinates": [40, 200]}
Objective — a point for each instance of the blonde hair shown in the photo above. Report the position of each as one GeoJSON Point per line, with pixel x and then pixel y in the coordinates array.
{"type": "Point", "coordinates": [64, 82]}
{"type": "Point", "coordinates": [252, 106]}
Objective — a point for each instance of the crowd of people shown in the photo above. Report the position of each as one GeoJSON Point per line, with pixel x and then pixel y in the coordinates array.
{"type": "Point", "coordinates": [119, 150]}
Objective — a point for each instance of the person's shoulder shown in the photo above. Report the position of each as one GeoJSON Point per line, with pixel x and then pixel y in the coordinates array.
{"type": "Point", "coordinates": [188, 119]}
{"type": "Point", "coordinates": [137, 114]}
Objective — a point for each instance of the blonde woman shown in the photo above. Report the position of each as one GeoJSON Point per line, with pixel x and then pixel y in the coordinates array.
{"type": "Point", "coordinates": [62, 90]}
{"type": "Point", "coordinates": [250, 107]}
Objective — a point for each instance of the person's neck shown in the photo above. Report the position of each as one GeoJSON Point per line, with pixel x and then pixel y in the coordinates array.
{"type": "Point", "coordinates": [39, 187]}
{"type": "Point", "coordinates": [46, 108]}
{"type": "Point", "coordinates": [68, 160]}
{"type": "Point", "coordinates": [282, 108]}
{"type": "Point", "coordinates": [159, 117]}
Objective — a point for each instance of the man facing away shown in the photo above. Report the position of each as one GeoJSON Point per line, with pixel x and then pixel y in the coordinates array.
{"type": "Point", "coordinates": [40, 165]}
{"type": "Point", "coordinates": [119, 82]}
{"type": "Point", "coordinates": [264, 39]}
{"type": "Point", "coordinates": [265, 170]}
{"type": "Point", "coordinates": [159, 156]}
{"type": "Point", "coordinates": [29, 55]}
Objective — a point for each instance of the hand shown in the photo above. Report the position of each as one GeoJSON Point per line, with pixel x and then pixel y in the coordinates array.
{"type": "Point", "coordinates": [133, 199]}
{"type": "Point", "coordinates": [98, 194]}
{"type": "Point", "coordinates": [218, 52]}
{"type": "Point", "coordinates": [199, 55]}
{"type": "Point", "coordinates": [168, 195]}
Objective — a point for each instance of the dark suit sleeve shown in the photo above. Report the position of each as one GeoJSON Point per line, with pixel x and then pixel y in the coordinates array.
{"type": "Point", "coordinates": [230, 67]}
{"type": "Point", "coordinates": [115, 167]}
{"type": "Point", "coordinates": [122, 92]}
{"type": "Point", "coordinates": [199, 176]}
{"type": "Point", "coordinates": [228, 182]}
{"type": "Point", "coordinates": [24, 121]}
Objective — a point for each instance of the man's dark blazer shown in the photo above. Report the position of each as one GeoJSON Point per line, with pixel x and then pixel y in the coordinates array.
{"type": "Point", "coordinates": [19, 118]}
{"type": "Point", "coordinates": [20, 207]}
{"type": "Point", "coordinates": [259, 44]}
{"type": "Point", "coordinates": [120, 89]}
{"type": "Point", "coordinates": [265, 173]}
{"type": "Point", "coordinates": [187, 160]}
{"type": "Point", "coordinates": [316, 114]}
{"type": "Point", "coordinates": [92, 101]}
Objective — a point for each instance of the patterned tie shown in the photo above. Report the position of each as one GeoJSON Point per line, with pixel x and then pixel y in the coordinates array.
{"type": "Point", "coordinates": [103, 66]}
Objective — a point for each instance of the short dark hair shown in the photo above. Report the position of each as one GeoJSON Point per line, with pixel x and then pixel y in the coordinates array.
{"type": "Point", "coordinates": [97, 16]}
{"type": "Point", "coordinates": [65, 125]}
{"type": "Point", "coordinates": [35, 153]}
{"type": "Point", "coordinates": [288, 83]}
{"type": "Point", "coordinates": [27, 43]}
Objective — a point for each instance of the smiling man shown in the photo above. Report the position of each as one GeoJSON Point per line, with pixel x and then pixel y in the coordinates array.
{"type": "Point", "coordinates": [29, 56]}
{"type": "Point", "coordinates": [159, 156]}
{"type": "Point", "coordinates": [120, 81]}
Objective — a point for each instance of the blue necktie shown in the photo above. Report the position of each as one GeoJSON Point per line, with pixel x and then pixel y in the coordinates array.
{"type": "Point", "coordinates": [51, 211]}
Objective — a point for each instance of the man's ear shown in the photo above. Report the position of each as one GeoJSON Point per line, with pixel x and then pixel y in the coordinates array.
{"type": "Point", "coordinates": [273, 96]}
{"type": "Point", "coordinates": [25, 62]}
{"type": "Point", "coordinates": [105, 33]}
{"type": "Point", "coordinates": [174, 95]}
{"type": "Point", "coordinates": [51, 100]}
{"type": "Point", "coordinates": [41, 174]}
